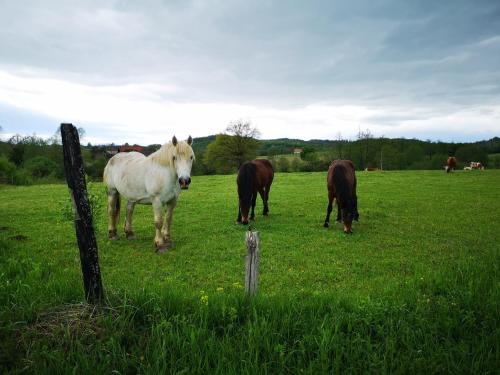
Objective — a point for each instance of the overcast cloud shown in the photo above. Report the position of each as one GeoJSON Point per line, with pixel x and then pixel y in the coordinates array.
{"type": "Point", "coordinates": [142, 71]}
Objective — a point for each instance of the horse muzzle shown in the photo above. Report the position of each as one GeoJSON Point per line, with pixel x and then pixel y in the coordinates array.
{"type": "Point", "coordinates": [184, 183]}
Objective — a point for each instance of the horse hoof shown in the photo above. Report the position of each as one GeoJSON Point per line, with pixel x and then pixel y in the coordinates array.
{"type": "Point", "coordinates": [130, 236]}
{"type": "Point", "coordinates": [164, 246]}
{"type": "Point", "coordinates": [162, 250]}
{"type": "Point", "coordinates": [326, 225]}
{"type": "Point", "coordinates": [238, 222]}
{"type": "Point", "coordinates": [112, 235]}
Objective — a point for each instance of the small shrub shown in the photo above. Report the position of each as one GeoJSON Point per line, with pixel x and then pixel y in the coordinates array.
{"type": "Point", "coordinates": [295, 165]}
{"type": "Point", "coordinates": [22, 177]}
{"type": "Point", "coordinates": [283, 164]}
{"type": "Point", "coordinates": [94, 193]}
{"type": "Point", "coordinates": [7, 170]}
{"type": "Point", "coordinates": [306, 166]}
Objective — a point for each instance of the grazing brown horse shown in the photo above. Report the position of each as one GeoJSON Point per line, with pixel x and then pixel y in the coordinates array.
{"type": "Point", "coordinates": [254, 176]}
{"type": "Point", "coordinates": [451, 164]}
{"type": "Point", "coordinates": [341, 183]}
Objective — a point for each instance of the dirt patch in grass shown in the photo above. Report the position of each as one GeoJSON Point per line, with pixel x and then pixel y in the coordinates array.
{"type": "Point", "coordinates": [65, 324]}
{"type": "Point", "coordinates": [18, 237]}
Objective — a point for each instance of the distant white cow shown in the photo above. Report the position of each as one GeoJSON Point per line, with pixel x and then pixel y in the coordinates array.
{"type": "Point", "coordinates": [476, 165]}
{"type": "Point", "coordinates": [467, 168]}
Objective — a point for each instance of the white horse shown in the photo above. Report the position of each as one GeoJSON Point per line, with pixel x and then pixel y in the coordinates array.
{"type": "Point", "coordinates": [156, 180]}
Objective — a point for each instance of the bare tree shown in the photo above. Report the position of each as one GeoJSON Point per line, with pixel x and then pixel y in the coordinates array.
{"type": "Point", "coordinates": [231, 149]}
{"type": "Point", "coordinates": [340, 142]}
{"type": "Point", "coordinates": [364, 137]}
{"type": "Point", "coordinates": [242, 129]}
{"type": "Point", "coordinates": [57, 139]}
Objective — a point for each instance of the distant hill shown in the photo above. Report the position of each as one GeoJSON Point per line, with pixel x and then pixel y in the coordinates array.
{"type": "Point", "coordinates": [281, 146]}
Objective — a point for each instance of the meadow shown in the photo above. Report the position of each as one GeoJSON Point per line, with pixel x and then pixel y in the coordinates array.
{"type": "Point", "coordinates": [415, 289]}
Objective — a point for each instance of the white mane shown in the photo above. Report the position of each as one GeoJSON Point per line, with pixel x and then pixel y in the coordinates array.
{"type": "Point", "coordinates": [164, 155]}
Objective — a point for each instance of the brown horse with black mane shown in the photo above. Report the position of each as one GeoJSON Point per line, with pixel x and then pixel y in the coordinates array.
{"type": "Point", "coordinates": [451, 164]}
{"type": "Point", "coordinates": [341, 183]}
{"type": "Point", "coordinates": [254, 176]}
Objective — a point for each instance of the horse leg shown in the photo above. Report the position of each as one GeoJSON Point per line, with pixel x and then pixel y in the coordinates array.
{"type": "Point", "coordinates": [157, 209]}
{"type": "Point", "coordinates": [265, 199]}
{"type": "Point", "coordinates": [254, 199]}
{"type": "Point", "coordinates": [168, 222]}
{"type": "Point", "coordinates": [113, 213]}
{"type": "Point", "coordinates": [262, 194]}
{"type": "Point", "coordinates": [339, 212]}
{"type": "Point", "coordinates": [238, 220]}
{"type": "Point", "coordinates": [129, 233]}
{"type": "Point", "coordinates": [329, 209]}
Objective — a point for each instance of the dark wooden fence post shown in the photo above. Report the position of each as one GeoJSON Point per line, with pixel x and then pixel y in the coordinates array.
{"type": "Point", "coordinates": [252, 262]}
{"type": "Point", "coordinates": [75, 176]}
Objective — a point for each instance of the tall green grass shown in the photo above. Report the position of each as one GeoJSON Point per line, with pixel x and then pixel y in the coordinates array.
{"type": "Point", "coordinates": [415, 289]}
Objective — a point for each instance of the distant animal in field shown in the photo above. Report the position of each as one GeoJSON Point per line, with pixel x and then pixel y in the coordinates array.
{"type": "Point", "coordinates": [476, 165]}
{"type": "Point", "coordinates": [451, 164]}
{"type": "Point", "coordinates": [372, 169]}
{"type": "Point", "coordinates": [253, 176]}
{"type": "Point", "coordinates": [467, 168]}
{"type": "Point", "coordinates": [156, 179]}
{"type": "Point", "coordinates": [341, 184]}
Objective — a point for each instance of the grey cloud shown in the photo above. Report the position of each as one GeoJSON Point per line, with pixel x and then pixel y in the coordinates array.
{"type": "Point", "coordinates": [270, 52]}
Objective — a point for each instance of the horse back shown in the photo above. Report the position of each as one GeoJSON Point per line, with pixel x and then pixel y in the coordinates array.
{"type": "Point", "coordinates": [126, 172]}
{"type": "Point", "coordinates": [264, 172]}
{"type": "Point", "coordinates": [342, 178]}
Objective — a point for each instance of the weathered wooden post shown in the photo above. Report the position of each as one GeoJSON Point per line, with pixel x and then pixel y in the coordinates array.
{"type": "Point", "coordinates": [252, 262]}
{"type": "Point", "coordinates": [75, 176]}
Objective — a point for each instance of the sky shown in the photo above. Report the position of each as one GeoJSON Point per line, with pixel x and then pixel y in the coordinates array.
{"type": "Point", "coordinates": [142, 71]}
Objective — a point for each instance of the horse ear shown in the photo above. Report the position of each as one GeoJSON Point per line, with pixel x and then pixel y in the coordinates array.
{"type": "Point", "coordinates": [190, 140]}
{"type": "Point", "coordinates": [174, 141]}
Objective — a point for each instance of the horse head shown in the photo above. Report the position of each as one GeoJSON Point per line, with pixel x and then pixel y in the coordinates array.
{"type": "Point", "coordinates": [182, 159]}
{"type": "Point", "coordinates": [245, 204]}
{"type": "Point", "coordinates": [347, 217]}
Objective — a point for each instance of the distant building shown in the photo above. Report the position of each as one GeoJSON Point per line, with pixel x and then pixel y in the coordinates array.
{"type": "Point", "coordinates": [298, 150]}
{"type": "Point", "coordinates": [127, 148]}
{"type": "Point", "coordinates": [124, 148]}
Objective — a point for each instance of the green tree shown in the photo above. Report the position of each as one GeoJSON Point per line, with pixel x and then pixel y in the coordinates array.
{"type": "Point", "coordinates": [231, 149]}
{"type": "Point", "coordinates": [471, 152]}
{"type": "Point", "coordinates": [41, 166]}
{"type": "Point", "coordinates": [412, 155]}
{"type": "Point", "coordinates": [391, 157]}
{"type": "Point", "coordinates": [306, 151]}
{"type": "Point", "coordinates": [438, 161]}
{"type": "Point", "coordinates": [495, 161]}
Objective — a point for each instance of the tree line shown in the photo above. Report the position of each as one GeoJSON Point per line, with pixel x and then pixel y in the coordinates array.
{"type": "Point", "coordinates": [32, 159]}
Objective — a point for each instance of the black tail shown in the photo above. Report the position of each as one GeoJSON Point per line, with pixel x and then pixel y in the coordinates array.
{"type": "Point", "coordinates": [246, 180]}
{"type": "Point", "coordinates": [343, 189]}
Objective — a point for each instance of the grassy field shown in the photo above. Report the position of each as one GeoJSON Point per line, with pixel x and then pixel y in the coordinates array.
{"type": "Point", "coordinates": [415, 289]}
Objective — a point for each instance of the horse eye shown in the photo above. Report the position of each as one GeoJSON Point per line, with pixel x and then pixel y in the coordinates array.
{"type": "Point", "coordinates": [174, 158]}
{"type": "Point", "coordinates": [191, 157]}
